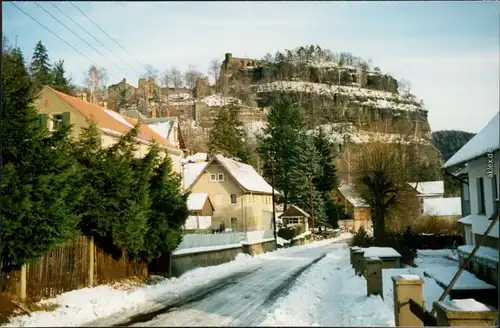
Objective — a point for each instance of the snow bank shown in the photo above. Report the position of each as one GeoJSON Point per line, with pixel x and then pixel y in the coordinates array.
{"type": "Point", "coordinates": [201, 249]}
{"type": "Point", "coordinates": [373, 98]}
{"type": "Point", "coordinates": [85, 305]}
{"type": "Point", "coordinates": [329, 294]}
{"type": "Point", "coordinates": [302, 235]}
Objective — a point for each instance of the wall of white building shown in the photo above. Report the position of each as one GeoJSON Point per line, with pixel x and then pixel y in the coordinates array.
{"type": "Point", "coordinates": [479, 168]}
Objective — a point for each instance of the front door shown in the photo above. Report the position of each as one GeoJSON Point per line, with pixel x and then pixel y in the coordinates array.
{"type": "Point", "coordinates": [234, 224]}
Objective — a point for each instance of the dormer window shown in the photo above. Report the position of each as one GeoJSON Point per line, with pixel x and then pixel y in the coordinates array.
{"type": "Point", "coordinates": [217, 177]}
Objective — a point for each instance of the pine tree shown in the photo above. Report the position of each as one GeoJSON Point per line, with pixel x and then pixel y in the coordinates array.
{"type": "Point", "coordinates": [280, 149]}
{"type": "Point", "coordinates": [327, 180]}
{"type": "Point", "coordinates": [228, 136]}
{"type": "Point", "coordinates": [115, 204]}
{"type": "Point", "coordinates": [37, 195]}
{"type": "Point", "coordinates": [168, 213]}
{"type": "Point", "coordinates": [40, 68]}
{"type": "Point", "coordinates": [59, 80]}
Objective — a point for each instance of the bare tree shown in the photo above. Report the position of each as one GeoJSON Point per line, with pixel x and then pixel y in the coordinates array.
{"type": "Point", "coordinates": [214, 71]}
{"type": "Point", "coordinates": [176, 77]}
{"type": "Point", "coordinates": [96, 80]}
{"type": "Point", "coordinates": [191, 75]}
{"type": "Point", "coordinates": [382, 171]}
{"type": "Point", "coordinates": [151, 72]}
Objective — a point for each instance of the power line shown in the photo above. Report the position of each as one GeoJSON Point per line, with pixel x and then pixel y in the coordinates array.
{"type": "Point", "coordinates": [80, 37]}
{"type": "Point", "coordinates": [57, 36]}
{"type": "Point", "coordinates": [109, 36]}
{"type": "Point", "coordinates": [102, 44]}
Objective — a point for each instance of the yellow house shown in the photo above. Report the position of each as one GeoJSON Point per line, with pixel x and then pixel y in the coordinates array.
{"type": "Point", "coordinates": [241, 198]}
{"type": "Point", "coordinates": [355, 206]}
{"type": "Point", "coordinates": [57, 108]}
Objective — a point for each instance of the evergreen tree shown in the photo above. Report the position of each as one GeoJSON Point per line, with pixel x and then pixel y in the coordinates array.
{"type": "Point", "coordinates": [327, 179]}
{"type": "Point", "coordinates": [228, 136]}
{"type": "Point", "coordinates": [280, 149]}
{"type": "Point", "coordinates": [59, 80]}
{"type": "Point", "coordinates": [40, 68]}
{"type": "Point", "coordinates": [37, 195]}
{"type": "Point", "coordinates": [168, 213]}
{"type": "Point", "coordinates": [115, 204]}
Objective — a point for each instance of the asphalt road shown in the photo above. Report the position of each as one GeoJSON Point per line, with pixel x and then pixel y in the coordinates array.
{"type": "Point", "coordinates": [241, 299]}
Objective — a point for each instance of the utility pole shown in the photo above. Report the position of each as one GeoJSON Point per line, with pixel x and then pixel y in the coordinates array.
{"type": "Point", "coordinates": [274, 208]}
{"type": "Point", "coordinates": [312, 204]}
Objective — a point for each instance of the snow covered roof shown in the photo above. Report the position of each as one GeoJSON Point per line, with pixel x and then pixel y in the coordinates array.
{"type": "Point", "coordinates": [191, 172]}
{"type": "Point", "coordinates": [198, 157]}
{"type": "Point", "coordinates": [163, 128]}
{"type": "Point", "coordinates": [480, 144]}
{"type": "Point", "coordinates": [428, 188]}
{"type": "Point", "coordinates": [381, 252]}
{"type": "Point", "coordinates": [443, 206]}
{"type": "Point", "coordinates": [292, 211]}
{"type": "Point", "coordinates": [352, 196]}
{"type": "Point", "coordinates": [196, 201]}
{"type": "Point", "coordinates": [466, 220]}
{"type": "Point", "coordinates": [245, 175]}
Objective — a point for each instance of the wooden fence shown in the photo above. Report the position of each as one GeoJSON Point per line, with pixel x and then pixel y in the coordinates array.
{"type": "Point", "coordinates": [75, 264]}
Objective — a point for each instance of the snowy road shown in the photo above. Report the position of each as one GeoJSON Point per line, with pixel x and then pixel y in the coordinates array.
{"type": "Point", "coordinates": [242, 299]}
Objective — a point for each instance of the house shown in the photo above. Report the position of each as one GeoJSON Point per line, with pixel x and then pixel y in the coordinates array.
{"type": "Point", "coordinates": [201, 211]}
{"type": "Point", "coordinates": [168, 128]}
{"type": "Point", "coordinates": [446, 211]}
{"type": "Point", "coordinates": [355, 206]}
{"type": "Point", "coordinates": [294, 215]}
{"type": "Point", "coordinates": [241, 198]}
{"type": "Point", "coordinates": [57, 108]}
{"type": "Point", "coordinates": [427, 190]}
{"type": "Point", "coordinates": [480, 189]}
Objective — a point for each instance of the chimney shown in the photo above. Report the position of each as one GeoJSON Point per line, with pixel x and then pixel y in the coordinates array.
{"type": "Point", "coordinates": [153, 110]}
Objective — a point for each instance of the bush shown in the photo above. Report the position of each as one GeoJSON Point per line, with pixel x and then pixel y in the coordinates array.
{"type": "Point", "coordinates": [362, 239]}
{"type": "Point", "coordinates": [291, 232]}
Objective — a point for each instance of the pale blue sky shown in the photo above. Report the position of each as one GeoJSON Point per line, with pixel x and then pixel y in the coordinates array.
{"type": "Point", "coordinates": [449, 51]}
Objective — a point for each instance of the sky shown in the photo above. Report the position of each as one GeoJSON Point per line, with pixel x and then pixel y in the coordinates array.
{"type": "Point", "coordinates": [449, 51]}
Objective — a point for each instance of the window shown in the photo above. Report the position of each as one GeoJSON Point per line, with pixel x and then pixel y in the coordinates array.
{"type": "Point", "coordinates": [233, 198]}
{"type": "Point", "coordinates": [293, 220]}
{"type": "Point", "coordinates": [220, 177]}
{"type": "Point", "coordinates": [213, 177]}
{"type": "Point", "coordinates": [58, 122]}
{"type": "Point", "coordinates": [465, 191]}
{"type": "Point", "coordinates": [234, 224]}
{"type": "Point", "coordinates": [494, 191]}
{"type": "Point", "coordinates": [480, 196]}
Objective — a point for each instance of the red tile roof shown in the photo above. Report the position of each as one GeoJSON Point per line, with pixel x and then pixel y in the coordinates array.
{"type": "Point", "coordinates": [108, 122]}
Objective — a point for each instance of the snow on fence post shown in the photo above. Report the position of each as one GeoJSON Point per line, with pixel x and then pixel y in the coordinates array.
{"type": "Point", "coordinates": [406, 288]}
{"type": "Point", "coordinates": [464, 312]}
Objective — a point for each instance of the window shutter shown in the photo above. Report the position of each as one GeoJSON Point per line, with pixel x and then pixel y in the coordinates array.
{"type": "Point", "coordinates": [65, 118]}
{"type": "Point", "coordinates": [42, 121]}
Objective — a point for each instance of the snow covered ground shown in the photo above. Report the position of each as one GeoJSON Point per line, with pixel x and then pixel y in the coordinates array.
{"type": "Point", "coordinates": [109, 305]}
{"type": "Point", "coordinates": [309, 285]}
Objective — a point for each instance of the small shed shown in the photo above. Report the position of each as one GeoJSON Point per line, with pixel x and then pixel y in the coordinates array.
{"type": "Point", "coordinates": [199, 204]}
{"type": "Point", "coordinates": [294, 215]}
